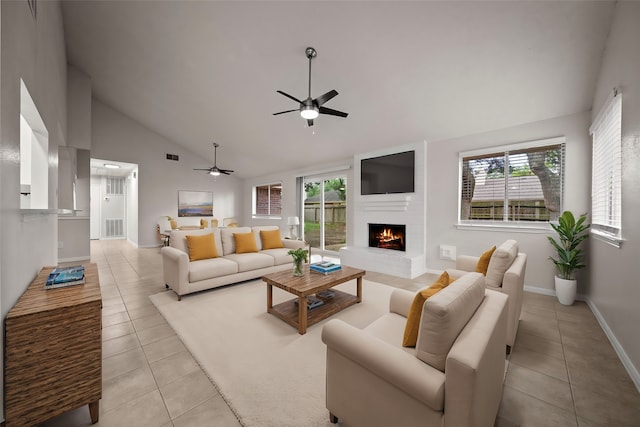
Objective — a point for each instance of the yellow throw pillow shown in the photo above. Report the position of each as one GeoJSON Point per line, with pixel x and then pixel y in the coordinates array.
{"type": "Point", "coordinates": [201, 247]}
{"type": "Point", "coordinates": [412, 327]}
{"type": "Point", "coordinates": [483, 262]}
{"type": "Point", "coordinates": [173, 223]}
{"type": "Point", "coordinates": [271, 239]}
{"type": "Point", "coordinates": [245, 242]}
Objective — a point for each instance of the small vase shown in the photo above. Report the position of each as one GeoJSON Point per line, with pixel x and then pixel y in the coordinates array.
{"type": "Point", "coordinates": [297, 267]}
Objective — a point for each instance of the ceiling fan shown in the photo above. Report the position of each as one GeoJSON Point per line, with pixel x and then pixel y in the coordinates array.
{"type": "Point", "coordinates": [215, 170]}
{"type": "Point", "coordinates": [310, 108]}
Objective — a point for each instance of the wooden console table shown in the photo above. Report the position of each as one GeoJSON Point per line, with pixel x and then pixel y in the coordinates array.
{"type": "Point", "coordinates": [53, 351]}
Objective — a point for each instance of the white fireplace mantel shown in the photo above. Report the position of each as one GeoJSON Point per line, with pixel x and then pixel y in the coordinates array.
{"type": "Point", "coordinates": [385, 203]}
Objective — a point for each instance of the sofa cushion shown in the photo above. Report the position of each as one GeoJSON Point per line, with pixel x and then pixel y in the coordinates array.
{"type": "Point", "coordinates": [445, 314]}
{"type": "Point", "coordinates": [179, 241]}
{"type": "Point", "coordinates": [280, 256]}
{"type": "Point", "coordinates": [245, 242]}
{"type": "Point", "coordinates": [415, 312]}
{"type": "Point", "coordinates": [500, 262]}
{"type": "Point", "coordinates": [228, 242]}
{"type": "Point", "coordinates": [483, 261]}
{"type": "Point", "coordinates": [201, 246]}
{"type": "Point", "coordinates": [251, 261]}
{"type": "Point", "coordinates": [211, 268]}
{"type": "Point", "coordinates": [271, 239]}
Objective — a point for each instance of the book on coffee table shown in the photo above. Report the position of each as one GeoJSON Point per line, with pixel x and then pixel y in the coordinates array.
{"type": "Point", "coordinates": [312, 302]}
{"type": "Point", "coordinates": [324, 267]}
{"type": "Point", "coordinates": [65, 276]}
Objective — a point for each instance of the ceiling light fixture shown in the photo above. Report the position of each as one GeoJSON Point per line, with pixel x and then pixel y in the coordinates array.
{"type": "Point", "coordinates": [110, 166]}
{"type": "Point", "coordinates": [309, 112]}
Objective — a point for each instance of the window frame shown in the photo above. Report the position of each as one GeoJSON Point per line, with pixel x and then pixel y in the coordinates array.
{"type": "Point", "coordinates": [603, 228]}
{"type": "Point", "coordinates": [510, 225]}
{"type": "Point", "coordinates": [254, 203]}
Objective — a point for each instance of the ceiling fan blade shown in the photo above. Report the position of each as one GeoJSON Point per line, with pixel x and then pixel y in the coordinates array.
{"type": "Point", "coordinates": [289, 96]}
{"type": "Point", "coordinates": [227, 171]}
{"type": "Point", "coordinates": [288, 111]}
{"type": "Point", "coordinates": [310, 122]}
{"type": "Point", "coordinates": [324, 98]}
{"type": "Point", "coordinates": [324, 110]}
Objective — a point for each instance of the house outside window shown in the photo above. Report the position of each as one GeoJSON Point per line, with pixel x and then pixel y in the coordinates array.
{"type": "Point", "coordinates": [519, 183]}
{"type": "Point", "coordinates": [267, 200]}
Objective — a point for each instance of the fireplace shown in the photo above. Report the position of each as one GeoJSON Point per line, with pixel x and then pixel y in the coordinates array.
{"type": "Point", "coordinates": [387, 236]}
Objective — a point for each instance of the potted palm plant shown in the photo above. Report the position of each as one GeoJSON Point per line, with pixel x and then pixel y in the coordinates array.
{"type": "Point", "coordinates": [570, 257]}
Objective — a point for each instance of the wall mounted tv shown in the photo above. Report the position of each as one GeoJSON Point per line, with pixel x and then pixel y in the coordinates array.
{"type": "Point", "coordinates": [393, 173]}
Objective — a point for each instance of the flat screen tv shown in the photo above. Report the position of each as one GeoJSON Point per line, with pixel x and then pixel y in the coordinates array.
{"type": "Point", "coordinates": [393, 173]}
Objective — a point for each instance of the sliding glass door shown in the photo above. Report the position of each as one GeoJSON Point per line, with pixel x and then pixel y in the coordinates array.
{"type": "Point", "coordinates": [325, 212]}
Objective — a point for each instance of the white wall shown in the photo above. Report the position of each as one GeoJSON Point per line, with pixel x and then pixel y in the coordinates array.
{"type": "Point", "coordinates": [288, 179]}
{"type": "Point", "coordinates": [442, 191]}
{"type": "Point", "coordinates": [34, 51]}
{"type": "Point", "coordinates": [115, 136]}
{"type": "Point", "coordinates": [615, 272]}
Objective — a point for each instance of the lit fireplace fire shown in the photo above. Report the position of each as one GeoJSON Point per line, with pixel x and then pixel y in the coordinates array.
{"type": "Point", "coordinates": [387, 236]}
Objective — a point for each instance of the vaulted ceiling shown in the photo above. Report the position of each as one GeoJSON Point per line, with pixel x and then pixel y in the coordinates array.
{"type": "Point", "coordinates": [204, 71]}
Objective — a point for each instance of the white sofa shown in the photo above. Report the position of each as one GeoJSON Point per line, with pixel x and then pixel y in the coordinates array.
{"type": "Point", "coordinates": [452, 378]}
{"type": "Point", "coordinates": [185, 277]}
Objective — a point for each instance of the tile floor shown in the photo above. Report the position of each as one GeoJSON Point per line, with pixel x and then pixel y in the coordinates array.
{"type": "Point", "coordinates": [562, 370]}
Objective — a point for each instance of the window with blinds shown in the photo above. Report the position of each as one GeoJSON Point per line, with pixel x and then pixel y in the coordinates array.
{"type": "Point", "coordinates": [519, 183]}
{"type": "Point", "coordinates": [606, 172]}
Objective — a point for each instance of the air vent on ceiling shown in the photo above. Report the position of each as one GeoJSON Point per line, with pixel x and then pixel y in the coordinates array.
{"type": "Point", "coordinates": [172, 157]}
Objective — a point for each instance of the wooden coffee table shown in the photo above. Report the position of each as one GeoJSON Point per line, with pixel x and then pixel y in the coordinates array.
{"type": "Point", "coordinates": [297, 315]}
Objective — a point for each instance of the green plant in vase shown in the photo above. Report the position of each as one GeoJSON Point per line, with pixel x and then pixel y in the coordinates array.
{"type": "Point", "coordinates": [299, 257]}
{"type": "Point", "coordinates": [570, 257]}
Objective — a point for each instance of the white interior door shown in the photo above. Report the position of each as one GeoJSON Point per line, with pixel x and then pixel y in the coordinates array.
{"type": "Point", "coordinates": [113, 208]}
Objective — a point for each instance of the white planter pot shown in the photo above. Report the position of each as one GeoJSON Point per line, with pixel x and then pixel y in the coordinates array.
{"type": "Point", "coordinates": [566, 290]}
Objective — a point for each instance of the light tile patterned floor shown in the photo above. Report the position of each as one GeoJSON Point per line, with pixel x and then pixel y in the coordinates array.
{"type": "Point", "coordinates": [562, 371]}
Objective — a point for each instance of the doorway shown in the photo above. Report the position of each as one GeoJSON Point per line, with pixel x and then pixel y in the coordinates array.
{"type": "Point", "coordinates": [325, 212]}
{"type": "Point", "coordinates": [114, 200]}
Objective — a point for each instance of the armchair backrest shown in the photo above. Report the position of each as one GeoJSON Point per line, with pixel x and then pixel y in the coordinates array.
{"type": "Point", "coordinates": [500, 262]}
{"type": "Point", "coordinates": [475, 366]}
{"type": "Point", "coordinates": [445, 314]}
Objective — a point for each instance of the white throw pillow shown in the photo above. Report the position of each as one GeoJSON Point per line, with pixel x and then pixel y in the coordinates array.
{"type": "Point", "coordinates": [500, 262]}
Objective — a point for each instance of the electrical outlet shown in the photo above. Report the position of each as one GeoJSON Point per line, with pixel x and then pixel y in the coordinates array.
{"type": "Point", "coordinates": [448, 252]}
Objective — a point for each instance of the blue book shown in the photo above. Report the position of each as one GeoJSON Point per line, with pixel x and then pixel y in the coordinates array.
{"type": "Point", "coordinates": [325, 267]}
{"type": "Point", "coordinates": [65, 276]}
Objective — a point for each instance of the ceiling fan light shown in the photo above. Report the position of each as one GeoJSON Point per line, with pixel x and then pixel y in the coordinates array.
{"type": "Point", "coordinates": [214, 173]}
{"type": "Point", "coordinates": [309, 113]}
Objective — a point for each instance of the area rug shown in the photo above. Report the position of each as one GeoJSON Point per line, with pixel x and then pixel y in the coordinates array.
{"type": "Point", "coordinates": [268, 373]}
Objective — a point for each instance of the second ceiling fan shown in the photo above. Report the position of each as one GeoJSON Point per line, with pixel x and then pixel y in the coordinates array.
{"type": "Point", "coordinates": [310, 108]}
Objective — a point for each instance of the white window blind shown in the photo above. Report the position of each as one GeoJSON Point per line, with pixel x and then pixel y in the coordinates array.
{"type": "Point", "coordinates": [520, 183]}
{"type": "Point", "coordinates": [606, 179]}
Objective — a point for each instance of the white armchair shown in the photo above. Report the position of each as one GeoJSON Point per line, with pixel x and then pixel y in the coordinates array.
{"type": "Point", "coordinates": [459, 359]}
{"type": "Point", "coordinates": [505, 274]}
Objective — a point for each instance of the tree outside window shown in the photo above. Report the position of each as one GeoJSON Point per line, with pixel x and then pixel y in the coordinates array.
{"type": "Point", "coordinates": [518, 184]}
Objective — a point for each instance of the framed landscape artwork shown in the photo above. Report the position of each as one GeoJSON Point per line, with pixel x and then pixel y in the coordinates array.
{"type": "Point", "coordinates": [195, 203]}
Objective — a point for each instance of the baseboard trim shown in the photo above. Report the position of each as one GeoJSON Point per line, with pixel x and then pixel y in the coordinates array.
{"type": "Point", "coordinates": [550, 292]}
{"type": "Point", "coordinates": [622, 355]}
{"type": "Point", "coordinates": [74, 259]}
